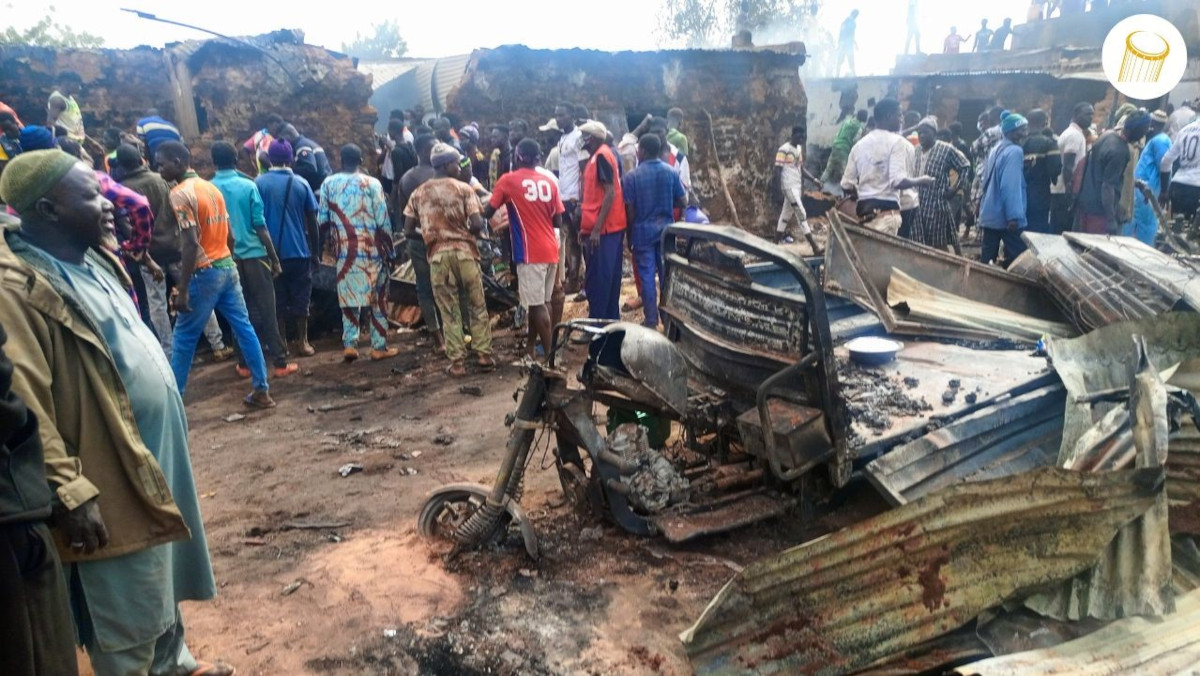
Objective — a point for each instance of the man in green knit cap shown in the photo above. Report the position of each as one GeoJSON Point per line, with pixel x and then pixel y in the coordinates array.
{"type": "Point", "coordinates": [125, 515]}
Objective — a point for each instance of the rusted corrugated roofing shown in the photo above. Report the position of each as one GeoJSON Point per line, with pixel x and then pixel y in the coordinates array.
{"type": "Point", "coordinates": [1009, 437]}
{"type": "Point", "coordinates": [1133, 574]}
{"type": "Point", "coordinates": [1135, 645]}
{"type": "Point", "coordinates": [880, 587]}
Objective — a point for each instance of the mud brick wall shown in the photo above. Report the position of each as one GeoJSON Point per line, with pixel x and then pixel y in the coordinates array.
{"type": "Point", "coordinates": [118, 86]}
{"type": "Point", "coordinates": [752, 97]}
{"type": "Point", "coordinates": [226, 88]}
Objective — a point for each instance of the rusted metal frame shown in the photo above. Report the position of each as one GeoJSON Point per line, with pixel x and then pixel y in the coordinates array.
{"type": "Point", "coordinates": [575, 418]}
{"type": "Point", "coordinates": [876, 589]}
{"type": "Point", "coordinates": [860, 289]}
{"type": "Point", "coordinates": [765, 391]}
{"type": "Point", "coordinates": [817, 338]}
{"type": "Point", "coordinates": [564, 330]}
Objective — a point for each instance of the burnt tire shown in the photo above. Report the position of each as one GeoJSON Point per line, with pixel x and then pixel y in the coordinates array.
{"type": "Point", "coordinates": [446, 510]}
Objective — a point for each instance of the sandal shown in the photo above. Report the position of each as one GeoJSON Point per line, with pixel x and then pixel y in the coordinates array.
{"type": "Point", "coordinates": [486, 363]}
{"type": "Point", "coordinates": [456, 369]}
{"type": "Point", "coordinates": [213, 669]}
{"type": "Point", "coordinates": [259, 399]}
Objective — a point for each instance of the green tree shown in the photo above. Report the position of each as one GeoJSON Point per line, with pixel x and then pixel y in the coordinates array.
{"type": "Point", "coordinates": [701, 23]}
{"type": "Point", "coordinates": [385, 42]}
{"type": "Point", "coordinates": [49, 33]}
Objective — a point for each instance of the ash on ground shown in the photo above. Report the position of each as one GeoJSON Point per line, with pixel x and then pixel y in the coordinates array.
{"type": "Point", "coordinates": [873, 397]}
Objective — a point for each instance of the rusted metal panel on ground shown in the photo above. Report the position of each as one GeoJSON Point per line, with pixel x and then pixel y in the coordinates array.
{"type": "Point", "coordinates": [953, 648]}
{"type": "Point", "coordinates": [1009, 437]}
{"type": "Point", "coordinates": [1094, 290]}
{"type": "Point", "coordinates": [873, 590]}
{"type": "Point", "coordinates": [1133, 257]}
{"type": "Point", "coordinates": [1133, 575]}
{"type": "Point", "coordinates": [1099, 362]}
{"type": "Point", "coordinates": [1183, 479]}
{"type": "Point", "coordinates": [859, 263]}
{"type": "Point", "coordinates": [1135, 645]}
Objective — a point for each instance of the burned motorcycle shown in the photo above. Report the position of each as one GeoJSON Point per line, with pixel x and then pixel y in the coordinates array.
{"type": "Point", "coordinates": [680, 451]}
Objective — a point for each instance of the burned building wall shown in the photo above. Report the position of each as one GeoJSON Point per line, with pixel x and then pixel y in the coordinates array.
{"type": "Point", "coordinates": [739, 107]}
{"type": "Point", "coordinates": [212, 89]}
{"type": "Point", "coordinates": [118, 86]}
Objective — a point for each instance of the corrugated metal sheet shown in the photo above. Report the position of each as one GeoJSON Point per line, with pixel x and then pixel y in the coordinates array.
{"type": "Point", "coordinates": [873, 590]}
{"type": "Point", "coordinates": [1099, 282]}
{"type": "Point", "coordinates": [1133, 575]}
{"type": "Point", "coordinates": [1009, 437]}
{"type": "Point", "coordinates": [859, 263]}
{"type": "Point", "coordinates": [1183, 479]}
{"type": "Point", "coordinates": [1168, 645]}
{"type": "Point", "coordinates": [1099, 362]}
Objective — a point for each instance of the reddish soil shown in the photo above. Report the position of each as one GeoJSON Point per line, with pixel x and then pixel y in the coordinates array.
{"type": "Point", "coordinates": [374, 597]}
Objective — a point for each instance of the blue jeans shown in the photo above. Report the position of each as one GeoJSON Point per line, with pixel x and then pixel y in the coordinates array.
{"type": "Point", "coordinates": [216, 289]}
{"type": "Point", "coordinates": [603, 279]}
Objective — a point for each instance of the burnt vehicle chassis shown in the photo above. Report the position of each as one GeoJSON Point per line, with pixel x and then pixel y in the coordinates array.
{"type": "Point", "coordinates": [747, 348]}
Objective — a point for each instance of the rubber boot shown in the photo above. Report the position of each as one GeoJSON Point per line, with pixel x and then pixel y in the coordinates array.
{"type": "Point", "coordinates": [302, 335]}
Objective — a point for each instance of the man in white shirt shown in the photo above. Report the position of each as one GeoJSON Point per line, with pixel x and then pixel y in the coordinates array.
{"type": "Point", "coordinates": [1072, 147]}
{"type": "Point", "coordinates": [1184, 195]}
{"type": "Point", "coordinates": [1184, 115]}
{"type": "Point", "coordinates": [789, 170]}
{"type": "Point", "coordinates": [878, 169]}
{"type": "Point", "coordinates": [570, 158]}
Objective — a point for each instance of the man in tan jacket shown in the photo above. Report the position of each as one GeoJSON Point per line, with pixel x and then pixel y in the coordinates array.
{"type": "Point", "coordinates": [126, 519]}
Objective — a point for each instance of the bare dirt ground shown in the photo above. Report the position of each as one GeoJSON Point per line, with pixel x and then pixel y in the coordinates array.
{"type": "Point", "coordinates": [324, 574]}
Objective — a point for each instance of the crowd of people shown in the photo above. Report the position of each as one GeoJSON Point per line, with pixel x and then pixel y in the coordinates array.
{"type": "Point", "coordinates": [915, 178]}
{"type": "Point", "coordinates": [118, 256]}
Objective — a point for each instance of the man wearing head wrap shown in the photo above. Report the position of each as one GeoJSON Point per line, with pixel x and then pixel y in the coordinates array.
{"type": "Point", "coordinates": [1144, 225]}
{"type": "Point", "coordinates": [1043, 166]}
{"type": "Point", "coordinates": [1101, 198]}
{"type": "Point", "coordinates": [1002, 207]}
{"type": "Point", "coordinates": [936, 225]}
{"type": "Point", "coordinates": [602, 223]}
{"type": "Point", "coordinates": [290, 208]}
{"type": "Point", "coordinates": [111, 422]}
{"type": "Point", "coordinates": [450, 217]}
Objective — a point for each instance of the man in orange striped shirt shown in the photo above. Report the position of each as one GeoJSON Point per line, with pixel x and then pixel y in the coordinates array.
{"type": "Point", "coordinates": [208, 276]}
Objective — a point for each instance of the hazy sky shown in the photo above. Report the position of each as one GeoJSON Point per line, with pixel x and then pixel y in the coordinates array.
{"type": "Point", "coordinates": [440, 29]}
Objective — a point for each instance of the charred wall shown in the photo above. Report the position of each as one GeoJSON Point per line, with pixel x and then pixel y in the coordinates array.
{"type": "Point", "coordinates": [212, 89]}
{"type": "Point", "coordinates": [751, 97]}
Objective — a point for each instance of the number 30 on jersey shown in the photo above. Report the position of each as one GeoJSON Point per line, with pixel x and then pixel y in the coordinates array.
{"type": "Point", "coordinates": [537, 191]}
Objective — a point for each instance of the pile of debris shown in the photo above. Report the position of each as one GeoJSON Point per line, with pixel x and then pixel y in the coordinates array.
{"type": "Point", "coordinates": [1051, 525]}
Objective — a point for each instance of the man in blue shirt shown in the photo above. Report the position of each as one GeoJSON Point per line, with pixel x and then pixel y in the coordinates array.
{"type": "Point", "coordinates": [1002, 209]}
{"type": "Point", "coordinates": [254, 253]}
{"type": "Point", "coordinates": [290, 209]}
{"type": "Point", "coordinates": [153, 130]}
{"type": "Point", "coordinates": [652, 192]}
{"type": "Point", "coordinates": [1144, 225]}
